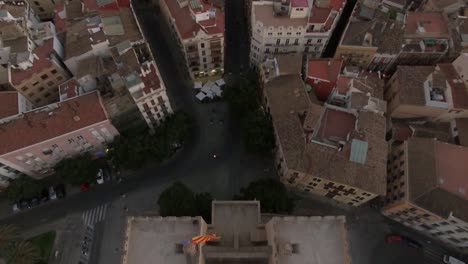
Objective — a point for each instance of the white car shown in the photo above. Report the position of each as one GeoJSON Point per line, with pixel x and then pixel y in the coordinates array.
{"type": "Point", "coordinates": [100, 177]}
{"type": "Point", "coordinates": [52, 193]}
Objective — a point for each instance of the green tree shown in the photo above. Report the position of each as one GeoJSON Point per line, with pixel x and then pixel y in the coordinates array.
{"type": "Point", "coordinates": [77, 170]}
{"type": "Point", "coordinates": [272, 194]}
{"type": "Point", "coordinates": [23, 252]}
{"type": "Point", "coordinates": [203, 205]}
{"type": "Point", "coordinates": [176, 128]}
{"type": "Point", "coordinates": [177, 200]}
{"type": "Point", "coordinates": [24, 187]}
{"type": "Point", "coordinates": [8, 237]}
{"type": "Point", "coordinates": [258, 134]}
{"type": "Point", "coordinates": [243, 99]}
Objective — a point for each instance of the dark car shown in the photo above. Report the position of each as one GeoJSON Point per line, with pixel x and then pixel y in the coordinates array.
{"type": "Point", "coordinates": [44, 195]}
{"type": "Point", "coordinates": [60, 191]}
{"type": "Point", "coordinates": [34, 202]}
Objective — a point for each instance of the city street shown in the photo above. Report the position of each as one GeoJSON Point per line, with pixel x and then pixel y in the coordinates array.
{"type": "Point", "coordinates": [106, 206]}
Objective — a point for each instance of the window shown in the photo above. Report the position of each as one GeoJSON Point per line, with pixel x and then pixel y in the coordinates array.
{"type": "Point", "coordinates": [287, 41]}
{"type": "Point", "coordinates": [203, 53]}
{"type": "Point", "coordinates": [54, 71]}
{"type": "Point", "coordinates": [36, 3]}
{"type": "Point", "coordinates": [289, 33]}
{"type": "Point", "coordinates": [35, 83]}
{"type": "Point", "coordinates": [269, 33]}
{"type": "Point", "coordinates": [31, 94]}
{"type": "Point", "coordinates": [309, 41]}
{"type": "Point", "coordinates": [24, 88]}
{"type": "Point", "coordinates": [44, 76]}
{"type": "Point", "coordinates": [278, 41]}
{"type": "Point", "coordinates": [319, 40]}
{"type": "Point", "coordinates": [202, 45]}
{"type": "Point", "coordinates": [46, 95]}
{"type": "Point", "coordinates": [59, 78]}
{"type": "Point", "coordinates": [298, 33]}
{"type": "Point", "coordinates": [444, 223]}
{"type": "Point", "coordinates": [50, 83]}
{"type": "Point", "coordinates": [37, 100]}
{"type": "Point", "coordinates": [267, 50]}
{"type": "Point", "coordinates": [41, 89]}
{"type": "Point", "coordinates": [296, 42]}
{"type": "Point", "coordinates": [435, 225]}
{"type": "Point", "coordinates": [204, 59]}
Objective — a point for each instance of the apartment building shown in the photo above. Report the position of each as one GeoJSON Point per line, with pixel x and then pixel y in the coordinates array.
{"type": "Point", "coordinates": [198, 28]}
{"type": "Point", "coordinates": [336, 149]}
{"type": "Point", "coordinates": [44, 9]}
{"type": "Point", "coordinates": [372, 39]}
{"type": "Point", "coordinates": [33, 142]}
{"type": "Point", "coordinates": [296, 26]}
{"type": "Point", "coordinates": [39, 82]}
{"type": "Point", "coordinates": [426, 189]}
{"type": "Point", "coordinates": [241, 229]}
{"type": "Point", "coordinates": [434, 93]}
{"type": "Point", "coordinates": [461, 66]}
{"type": "Point", "coordinates": [446, 6]}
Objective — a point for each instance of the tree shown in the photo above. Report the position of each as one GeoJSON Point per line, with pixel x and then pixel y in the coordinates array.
{"type": "Point", "coordinates": [24, 187]}
{"type": "Point", "coordinates": [243, 99]}
{"type": "Point", "coordinates": [77, 170]}
{"type": "Point", "coordinates": [23, 252]}
{"type": "Point", "coordinates": [272, 194]}
{"type": "Point", "coordinates": [8, 236]}
{"type": "Point", "coordinates": [177, 200]}
{"type": "Point", "coordinates": [203, 205]}
{"type": "Point", "coordinates": [258, 134]}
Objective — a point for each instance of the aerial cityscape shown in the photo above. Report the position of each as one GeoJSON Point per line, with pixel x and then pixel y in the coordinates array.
{"type": "Point", "coordinates": [233, 131]}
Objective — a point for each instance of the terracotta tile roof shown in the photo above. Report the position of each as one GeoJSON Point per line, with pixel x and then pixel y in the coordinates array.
{"type": "Point", "coordinates": [60, 20]}
{"type": "Point", "coordinates": [411, 81]}
{"type": "Point", "coordinates": [299, 3]}
{"type": "Point", "coordinates": [39, 125]}
{"type": "Point", "coordinates": [432, 23]}
{"type": "Point", "coordinates": [462, 128]}
{"type": "Point", "coordinates": [437, 177]}
{"type": "Point", "coordinates": [457, 86]}
{"type": "Point", "coordinates": [68, 89]}
{"type": "Point", "coordinates": [336, 124]}
{"type": "Point", "coordinates": [8, 104]}
{"type": "Point", "coordinates": [17, 11]}
{"type": "Point", "coordinates": [322, 75]}
{"type": "Point", "coordinates": [41, 63]}
{"type": "Point", "coordinates": [319, 15]}
{"type": "Point", "coordinates": [293, 115]}
{"type": "Point", "coordinates": [187, 27]}
{"type": "Point", "coordinates": [150, 78]}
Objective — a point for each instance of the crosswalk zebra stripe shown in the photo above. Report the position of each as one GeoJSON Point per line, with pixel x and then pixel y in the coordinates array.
{"type": "Point", "coordinates": [95, 215]}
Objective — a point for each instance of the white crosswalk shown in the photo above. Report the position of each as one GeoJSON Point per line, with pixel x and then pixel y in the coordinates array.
{"type": "Point", "coordinates": [95, 215]}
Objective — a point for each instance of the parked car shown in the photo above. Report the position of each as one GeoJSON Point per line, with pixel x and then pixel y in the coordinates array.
{"type": "Point", "coordinates": [44, 195]}
{"type": "Point", "coordinates": [52, 193]}
{"type": "Point", "coordinates": [60, 191]}
{"type": "Point", "coordinates": [451, 260]}
{"type": "Point", "coordinates": [16, 207]}
{"type": "Point", "coordinates": [100, 176]}
{"type": "Point", "coordinates": [34, 202]}
{"type": "Point", "coordinates": [395, 238]}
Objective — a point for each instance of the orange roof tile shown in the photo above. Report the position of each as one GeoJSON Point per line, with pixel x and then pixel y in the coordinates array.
{"type": "Point", "coordinates": [432, 23]}
{"type": "Point", "coordinates": [299, 3]}
{"type": "Point", "coordinates": [324, 69]}
{"type": "Point", "coordinates": [337, 124]}
{"type": "Point", "coordinates": [151, 80]}
{"type": "Point", "coordinates": [8, 104]}
{"type": "Point", "coordinates": [39, 125]}
{"type": "Point", "coordinates": [457, 86]}
{"type": "Point", "coordinates": [187, 26]}
{"type": "Point", "coordinates": [43, 62]}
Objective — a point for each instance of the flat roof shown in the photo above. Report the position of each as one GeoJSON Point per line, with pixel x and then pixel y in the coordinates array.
{"type": "Point", "coordinates": [155, 239]}
{"type": "Point", "coordinates": [8, 104]}
{"type": "Point", "coordinates": [263, 12]}
{"type": "Point", "coordinates": [431, 22]}
{"type": "Point", "coordinates": [313, 239]}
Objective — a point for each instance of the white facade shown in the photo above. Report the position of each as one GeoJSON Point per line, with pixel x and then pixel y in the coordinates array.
{"type": "Point", "coordinates": [282, 29]}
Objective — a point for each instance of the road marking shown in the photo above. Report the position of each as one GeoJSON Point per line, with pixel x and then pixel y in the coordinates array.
{"type": "Point", "coordinates": [95, 215]}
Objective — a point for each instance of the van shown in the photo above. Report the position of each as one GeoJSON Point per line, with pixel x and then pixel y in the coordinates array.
{"type": "Point", "coordinates": [451, 260]}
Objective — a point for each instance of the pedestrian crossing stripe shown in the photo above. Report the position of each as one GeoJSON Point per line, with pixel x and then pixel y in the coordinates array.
{"type": "Point", "coordinates": [95, 215]}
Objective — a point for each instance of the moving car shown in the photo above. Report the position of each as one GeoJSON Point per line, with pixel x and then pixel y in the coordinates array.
{"type": "Point", "coordinates": [100, 176]}
{"type": "Point", "coordinates": [395, 238]}
{"type": "Point", "coordinates": [451, 260]}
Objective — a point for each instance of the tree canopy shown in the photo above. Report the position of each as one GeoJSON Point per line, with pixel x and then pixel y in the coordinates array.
{"type": "Point", "coordinates": [179, 200]}
{"type": "Point", "coordinates": [77, 170]}
{"type": "Point", "coordinates": [258, 133]}
{"type": "Point", "coordinates": [24, 187]}
{"type": "Point", "coordinates": [134, 151]}
{"type": "Point", "coordinates": [272, 194]}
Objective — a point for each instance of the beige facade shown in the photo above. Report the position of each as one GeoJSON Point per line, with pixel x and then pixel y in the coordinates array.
{"type": "Point", "coordinates": [44, 9]}
{"type": "Point", "coordinates": [42, 87]}
{"type": "Point", "coordinates": [287, 28]}
{"type": "Point", "coordinates": [417, 200]}
{"type": "Point", "coordinates": [199, 31]}
{"type": "Point", "coordinates": [243, 236]}
{"type": "Point", "coordinates": [355, 55]}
